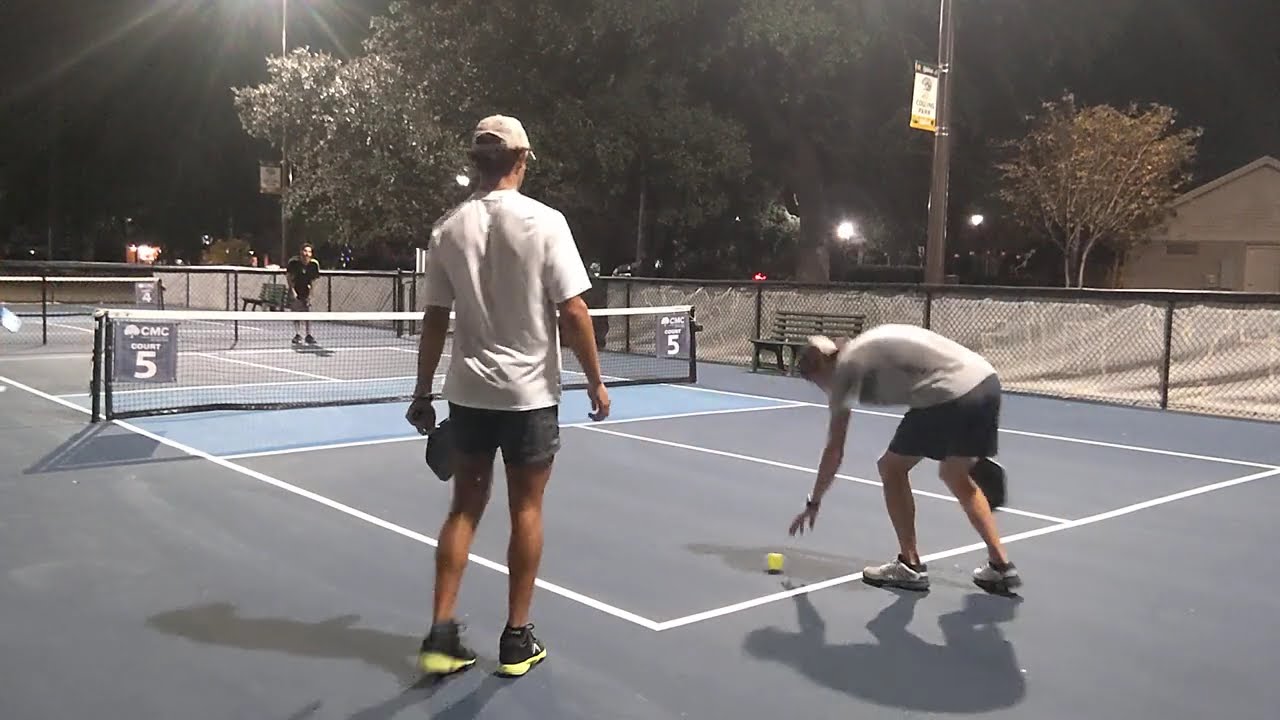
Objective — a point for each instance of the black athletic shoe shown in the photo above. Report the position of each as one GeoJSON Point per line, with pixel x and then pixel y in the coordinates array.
{"type": "Point", "coordinates": [297, 339]}
{"type": "Point", "coordinates": [311, 340]}
{"type": "Point", "coordinates": [519, 651]}
{"type": "Point", "coordinates": [443, 651]}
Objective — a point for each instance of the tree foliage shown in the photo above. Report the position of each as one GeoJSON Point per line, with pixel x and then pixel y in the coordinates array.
{"type": "Point", "coordinates": [1096, 174]}
{"type": "Point", "coordinates": [367, 157]}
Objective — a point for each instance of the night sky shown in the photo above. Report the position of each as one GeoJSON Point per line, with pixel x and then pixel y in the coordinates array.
{"type": "Point", "coordinates": [119, 109]}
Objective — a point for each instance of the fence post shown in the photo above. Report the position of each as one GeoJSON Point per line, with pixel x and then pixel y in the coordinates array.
{"type": "Point", "coordinates": [759, 309]}
{"type": "Point", "coordinates": [44, 310]}
{"type": "Point", "coordinates": [928, 309]}
{"type": "Point", "coordinates": [1167, 362]}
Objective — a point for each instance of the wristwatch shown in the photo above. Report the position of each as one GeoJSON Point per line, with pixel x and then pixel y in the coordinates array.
{"type": "Point", "coordinates": [809, 502]}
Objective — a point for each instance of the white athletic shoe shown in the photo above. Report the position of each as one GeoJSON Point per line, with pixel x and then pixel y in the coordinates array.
{"type": "Point", "coordinates": [997, 580]}
{"type": "Point", "coordinates": [899, 574]}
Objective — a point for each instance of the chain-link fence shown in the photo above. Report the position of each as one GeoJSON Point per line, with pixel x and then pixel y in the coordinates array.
{"type": "Point", "coordinates": [56, 301]}
{"type": "Point", "coordinates": [1216, 353]}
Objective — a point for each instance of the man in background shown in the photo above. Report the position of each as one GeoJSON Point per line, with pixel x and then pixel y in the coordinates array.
{"type": "Point", "coordinates": [506, 264]}
{"type": "Point", "coordinates": [301, 273]}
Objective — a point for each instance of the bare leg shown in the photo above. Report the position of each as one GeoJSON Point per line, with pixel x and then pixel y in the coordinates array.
{"type": "Point", "coordinates": [525, 487]}
{"type": "Point", "coordinates": [894, 474]}
{"type": "Point", "coordinates": [955, 473]}
{"type": "Point", "coordinates": [471, 485]}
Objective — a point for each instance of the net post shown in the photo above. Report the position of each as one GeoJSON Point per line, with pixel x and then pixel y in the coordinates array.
{"type": "Point", "coordinates": [1167, 361]}
{"type": "Point", "coordinates": [626, 321]}
{"type": "Point", "coordinates": [108, 363]}
{"type": "Point", "coordinates": [694, 328]}
{"type": "Point", "coordinates": [44, 310]}
{"type": "Point", "coordinates": [397, 301]}
{"type": "Point", "coordinates": [928, 308]}
{"type": "Point", "coordinates": [95, 380]}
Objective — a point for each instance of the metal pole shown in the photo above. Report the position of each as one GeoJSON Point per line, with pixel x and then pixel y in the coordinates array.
{"type": "Point", "coordinates": [936, 251]}
{"type": "Point", "coordinates": [284, 143]}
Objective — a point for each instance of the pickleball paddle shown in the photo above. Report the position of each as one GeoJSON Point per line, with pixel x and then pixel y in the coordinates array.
{"type": "Point", "coordinates": [440, 449]}
{"type": "Point", "coordinates": [989, 476]}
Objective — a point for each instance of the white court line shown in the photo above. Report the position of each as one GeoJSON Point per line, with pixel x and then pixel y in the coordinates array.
{"type": "Point", "coordinates": [1025, 433]}
{"type": "Point", "coordinates": [409, 438]}
{"type": "Point", "coordinates": [1049, 530]}
{"type": "Point", "coordinates": [799, 468]}
{"type": "Point", "coordinates": [72, 327]}
{"type": "Point", "coordinates": [346, 509]}
{"type": "Point", "coordinates": [265, 367]}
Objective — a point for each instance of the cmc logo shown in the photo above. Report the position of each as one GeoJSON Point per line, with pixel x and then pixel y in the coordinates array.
{"type": "Point", "coordinates": [146, 331]}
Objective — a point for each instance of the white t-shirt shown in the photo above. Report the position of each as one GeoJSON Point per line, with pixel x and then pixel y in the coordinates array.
{"type": "Point", "coordinates": [904, 365]}
{"type": "Point", "coordinates": [504, 262]}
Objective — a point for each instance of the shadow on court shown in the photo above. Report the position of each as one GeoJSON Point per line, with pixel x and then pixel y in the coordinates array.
{"type": "Point", "coordinates": [336, 638]}
{"type": "Point", "coordinates": [104, 445]}
{"type": "Point", "coordinates": [974, 670]}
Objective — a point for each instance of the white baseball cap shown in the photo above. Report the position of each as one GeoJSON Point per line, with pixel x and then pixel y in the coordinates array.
{"type": "Point", "coordinates": [508, 130]}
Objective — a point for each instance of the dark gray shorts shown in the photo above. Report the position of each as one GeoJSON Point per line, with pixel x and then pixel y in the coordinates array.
{"type": "Point", "coordinates": [526, 437]}
{"type": "Point", "coordinates": [968, 426]}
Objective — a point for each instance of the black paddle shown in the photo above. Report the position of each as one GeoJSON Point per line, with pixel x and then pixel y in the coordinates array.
{"type": "Point", "coordinates": [989, 476]}
{"type": "Point", "coordinates": [440, 450]}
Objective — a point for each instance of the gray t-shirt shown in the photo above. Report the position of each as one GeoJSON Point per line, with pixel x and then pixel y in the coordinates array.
{"type": "Point", "coordinates": [904, 365]}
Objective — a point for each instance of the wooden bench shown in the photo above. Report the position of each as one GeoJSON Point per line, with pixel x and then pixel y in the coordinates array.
{"type": "Point", "coordinates": [271, 296]}
{"type": "Point", "coordinates": [791, 331]}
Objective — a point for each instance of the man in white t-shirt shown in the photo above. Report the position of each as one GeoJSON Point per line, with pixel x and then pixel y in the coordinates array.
{"type": "Point", "coordinates": [508, 267]}
{"type": "Point", "coordinates": [953, 399]}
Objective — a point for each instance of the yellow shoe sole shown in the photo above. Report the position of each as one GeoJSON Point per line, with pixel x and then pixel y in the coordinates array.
{"type": "Point", "coordinates": [441, 664]}
{"type": "Point", "coordinates": [518, 669]}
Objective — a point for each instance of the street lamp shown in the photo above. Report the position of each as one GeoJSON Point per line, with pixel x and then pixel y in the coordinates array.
{"type": "Point", "coordinates": [844, 230]}
{"type": "Point", "coordinates": [935, 249]}
{"type": "Point", "coordinates": [284, 142]}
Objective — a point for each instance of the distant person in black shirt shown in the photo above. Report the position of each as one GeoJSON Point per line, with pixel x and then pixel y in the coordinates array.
{"type": "Point", "coordinates": [302, 271]}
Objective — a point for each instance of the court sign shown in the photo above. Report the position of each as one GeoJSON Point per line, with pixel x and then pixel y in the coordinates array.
{"type": "Point", "coordinates": [145, 293]}
{"type": "Point", "coordinates": [673, 336]}
{"type": "Point", "coordinates": [145, 352]}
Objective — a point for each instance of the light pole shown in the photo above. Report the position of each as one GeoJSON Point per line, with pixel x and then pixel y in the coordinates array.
{"type": "Point", "coordinates": [284, 141]}
{"type": "Point", "coordinates": [935, 248]}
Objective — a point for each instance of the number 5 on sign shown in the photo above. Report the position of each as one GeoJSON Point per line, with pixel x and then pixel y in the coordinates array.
{"type": "Point", "coordinates": [673, 336]}
{"type": "Point", "coordinates": [145, 352]}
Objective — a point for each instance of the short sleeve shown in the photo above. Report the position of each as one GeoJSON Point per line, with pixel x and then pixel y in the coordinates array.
{"type": "Point", "coordinates": [439, 290]}
{"type": "Point", "coordinates": [564, 275]}
{"type": "Point", "coordinates": [844, 381]}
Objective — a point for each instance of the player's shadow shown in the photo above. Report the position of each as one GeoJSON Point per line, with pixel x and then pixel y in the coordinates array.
{"type": "Point", "coordinates": [103, 445]}
{"type": "Point", "coordinates": [974, 670]}
{"type": "Point", "coordinates": [335, 638]}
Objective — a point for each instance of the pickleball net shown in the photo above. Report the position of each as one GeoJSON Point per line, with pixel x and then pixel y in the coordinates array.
{"type": "Point", "coordinates": [155, 362]}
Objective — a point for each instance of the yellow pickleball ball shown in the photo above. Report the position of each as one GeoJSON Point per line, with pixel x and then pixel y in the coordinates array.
{"type": "Point", "coordinates": [775, 562]}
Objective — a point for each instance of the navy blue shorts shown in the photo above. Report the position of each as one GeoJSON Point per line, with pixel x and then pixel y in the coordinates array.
{"type": "Point", "coordinates": [968, 426]}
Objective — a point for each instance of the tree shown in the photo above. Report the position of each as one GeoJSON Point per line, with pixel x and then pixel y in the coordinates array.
{"type": "Point", "coordinates": [1098, 174]}
{"type": "Point", "coordinates": [367, 157]}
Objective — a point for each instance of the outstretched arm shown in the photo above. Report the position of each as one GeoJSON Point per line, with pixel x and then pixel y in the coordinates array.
{"type": "Point", "coordinates": [828, 466]}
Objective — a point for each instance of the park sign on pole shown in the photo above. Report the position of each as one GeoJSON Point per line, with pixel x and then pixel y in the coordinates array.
{"type": "Point", "coordinates": [924, 98]}
{"type": "Point", "coordinates": [269, 179]}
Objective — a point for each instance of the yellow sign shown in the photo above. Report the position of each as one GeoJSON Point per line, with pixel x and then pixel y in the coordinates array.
{"type": "Point", "coordinates": [924, 98]}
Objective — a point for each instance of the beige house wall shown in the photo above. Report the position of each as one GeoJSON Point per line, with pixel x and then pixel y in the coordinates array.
{"type": "Point", "coordinates": [1206, 245]}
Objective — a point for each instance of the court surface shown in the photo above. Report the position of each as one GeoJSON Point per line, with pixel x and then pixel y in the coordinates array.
{"type": "Point", "coordinates": [278, 565]}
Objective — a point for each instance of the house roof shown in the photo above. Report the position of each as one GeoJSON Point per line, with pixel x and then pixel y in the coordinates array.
{"type": "Point", "coordinates": [1265, 161]}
